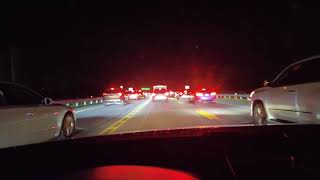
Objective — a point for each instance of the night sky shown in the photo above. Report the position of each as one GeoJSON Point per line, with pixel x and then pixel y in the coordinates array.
{"type": "Point", "coordinates": [78, 48]}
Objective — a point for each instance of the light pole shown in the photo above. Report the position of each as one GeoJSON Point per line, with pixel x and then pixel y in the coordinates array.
{"type": "Point", "coordinates": [12, 64]}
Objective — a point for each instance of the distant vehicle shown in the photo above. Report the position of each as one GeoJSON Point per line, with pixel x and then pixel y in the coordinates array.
{"type": "Point", "coordinates": [146, 91]}
{"type": "Point", "coordinates": [27, 117]}
{"type": "Point", "coordinates": [203, 95]}
{"type": "Point", "coordinates": [160, 93]}
{"type": "Point", "coordinates": [178, 94]}
{"type": "Point", "coordinates": [171, 93]}
{"type": "Point", "coordinates": [294, 95]}
{"type": "Point", "coordinates": [134, 94]}
{"type": "Point", "coordinates": [115, 96]}
{"type": "Point", "coordinates": [184, 95]}
{"type": "Point", "coordinates": [141, 95]}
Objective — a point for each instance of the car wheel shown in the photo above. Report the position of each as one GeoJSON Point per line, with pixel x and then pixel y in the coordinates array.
{"type": "Point", "coordinates": [68, 126]}
{"type": "Point", "coordinates": [259, 114]}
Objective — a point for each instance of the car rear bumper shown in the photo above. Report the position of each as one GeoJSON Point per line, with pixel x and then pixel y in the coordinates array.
{"type": "Point", "coordinates": [133, 98]}
{"type": "Point", "coordinates": [206, 99]}
{"type": "Point", "coordinates": [113, 101]}
{"type": "Point", "coordinates": [160, 98]}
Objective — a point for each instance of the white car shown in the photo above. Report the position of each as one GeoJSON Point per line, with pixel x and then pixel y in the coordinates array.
{"type": "Point", "coordinates": [26, 117]}
{"type": "Point", "coordinates": [293, 96]}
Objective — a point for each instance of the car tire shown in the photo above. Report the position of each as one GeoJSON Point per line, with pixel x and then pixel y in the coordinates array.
{"type": "Point", "coordinates": [68, 126]}
{"type": "Point", "coordinates": [259, 114]}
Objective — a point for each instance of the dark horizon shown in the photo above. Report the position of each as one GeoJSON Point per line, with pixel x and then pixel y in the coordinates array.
{"type": "Point", "coordinates": [76, 49]}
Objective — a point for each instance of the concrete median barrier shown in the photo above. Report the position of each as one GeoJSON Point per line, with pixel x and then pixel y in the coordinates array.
{"type": "Point", "coordinates": [234, 99]}
{"type": "Point", "coordinates": [80, 103]}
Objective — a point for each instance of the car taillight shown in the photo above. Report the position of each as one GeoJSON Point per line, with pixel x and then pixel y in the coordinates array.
{"type": "Point", "coordinates": [119, 94]}
{"type": "Point", "coordinates": [213, 93]}
{"type": "Point", "coordinates": [180, 93]}
{"type": "Point", "coordinates": [199, 94]}
{"type": "Point", "coordinates": [166, 94]}
{"type": "Point", "coordinates": [104, 94]}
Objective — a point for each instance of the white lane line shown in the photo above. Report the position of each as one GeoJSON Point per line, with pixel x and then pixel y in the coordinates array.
{"type": "Point", "coordinates": [82, 110]}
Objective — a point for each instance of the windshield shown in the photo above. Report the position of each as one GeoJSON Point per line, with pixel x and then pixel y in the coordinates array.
{"type": "Point", "coordinates": [170, 65]}
{"type": "Point", "coordinates": [113, 90]}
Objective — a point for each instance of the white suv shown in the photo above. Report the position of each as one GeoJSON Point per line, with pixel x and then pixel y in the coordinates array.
{"type": "Point", "coordinates": [293, 96]}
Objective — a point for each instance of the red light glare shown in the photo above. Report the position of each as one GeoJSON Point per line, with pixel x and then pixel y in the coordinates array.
{"type": "Point", "coordinates": [112, 89]}
{"type": "Point", "coordinates": [138, 172]}
{"type": "Point", "coordinates": [203, 89]}
{"type": "Point", "coordinates": [213, 93]}
{"type": "Point", "coordinates": [119, 94]}
{"type": "Point", "coordinates": [199, 94]}
{"type": "Point", "coordinates": [166, 94]}
{"type": "Point", "coordinates": [104, 94]}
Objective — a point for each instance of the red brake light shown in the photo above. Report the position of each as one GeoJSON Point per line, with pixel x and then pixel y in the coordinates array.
{"type": "Point", "coordinates": [119, 94]}
{"type": "Point", "coordinates": [104, 94]}
{"type": "Point", "coordinates": [199, 94]}
{"type": "Point", "coordinates": [213, 93]}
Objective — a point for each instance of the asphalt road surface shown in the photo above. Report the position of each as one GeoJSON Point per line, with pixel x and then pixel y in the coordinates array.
{"type": "Point", "coordinates": [144, 115]}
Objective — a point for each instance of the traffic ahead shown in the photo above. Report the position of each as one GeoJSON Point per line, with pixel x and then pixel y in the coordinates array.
{"type": "Point", "coordinates": [29, 118]}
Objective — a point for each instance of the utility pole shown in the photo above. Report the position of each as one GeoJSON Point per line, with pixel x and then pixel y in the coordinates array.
{"type": "Point", "coordinates": [12, 64]}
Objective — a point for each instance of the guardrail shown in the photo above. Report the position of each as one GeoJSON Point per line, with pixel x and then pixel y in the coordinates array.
{"type": "Point", "coordinates": [78, 103]}
{"type": "Point", "coordinates": [233, 96]}
{"type": "Point", "coordinates": [234, 99]}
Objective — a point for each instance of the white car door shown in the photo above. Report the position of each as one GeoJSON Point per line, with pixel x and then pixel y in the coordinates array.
{"type": "Point", "coordinates": [308, 91]}
{"type": "Point", "coordinates": [283, 103]}
{"type": "Point", "coordinates": [22, 117]}
{"type": "Point", "coordinates": [16, 126]}
{"type": "Point", "coordinates": [47, 121]}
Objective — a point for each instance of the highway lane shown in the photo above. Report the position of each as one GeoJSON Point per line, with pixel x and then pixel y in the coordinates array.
{"type": "Point", "coordinates": [181, 114]}
{"type": "Point", "coordinates": [91, 121]}
{"type": "Point", "coordinates": [144, 115]}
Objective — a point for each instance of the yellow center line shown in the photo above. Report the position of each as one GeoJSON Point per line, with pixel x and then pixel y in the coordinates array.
{"type": "Point", "coordinates": [123, 120]}
{"type": "Point", "coordinates": [206, 114]}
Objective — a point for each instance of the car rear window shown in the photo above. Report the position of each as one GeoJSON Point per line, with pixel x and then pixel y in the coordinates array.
{"type": "Point", "coordinates": [160, 91]}
{"type": "Point", "coordinates": [113, 91]}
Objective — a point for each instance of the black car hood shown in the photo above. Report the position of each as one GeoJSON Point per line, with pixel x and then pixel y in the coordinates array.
{"type": "Point", "coordinates": [207, 152]}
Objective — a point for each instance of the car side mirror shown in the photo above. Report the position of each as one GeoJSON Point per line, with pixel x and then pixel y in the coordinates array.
{"type": "Point", "coordinates": [48, 101]}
